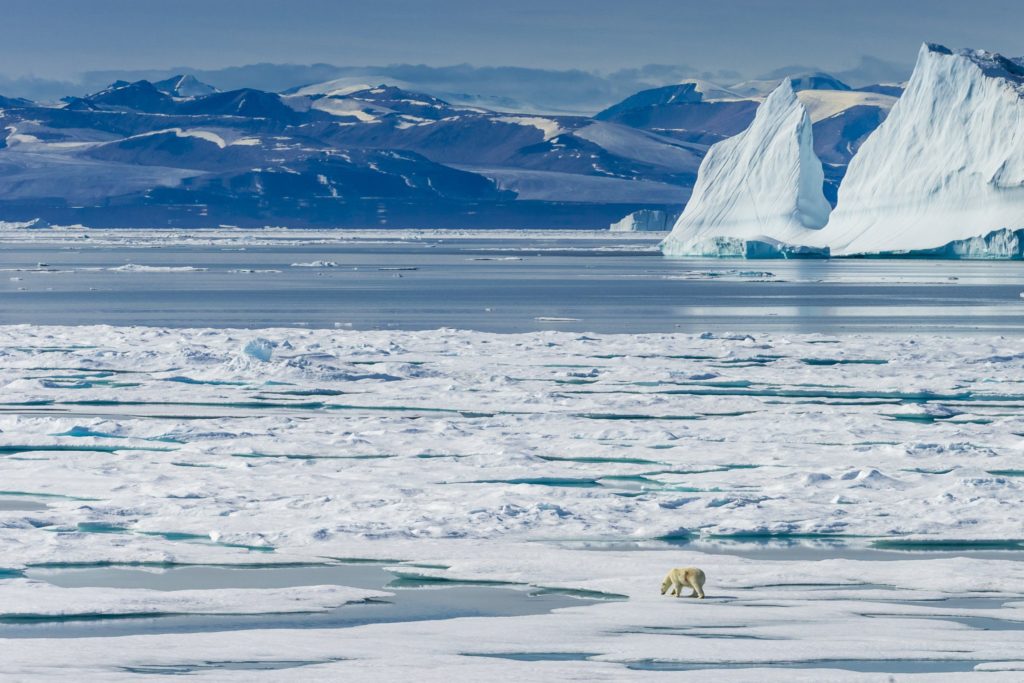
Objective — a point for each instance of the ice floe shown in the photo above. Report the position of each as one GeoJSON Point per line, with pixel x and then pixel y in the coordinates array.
{"type": "Point", "coordinates": [583, 464]}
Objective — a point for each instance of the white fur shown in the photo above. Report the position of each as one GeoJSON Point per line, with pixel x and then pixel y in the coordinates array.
{"type": "Point", "coordinates": [684, 576]}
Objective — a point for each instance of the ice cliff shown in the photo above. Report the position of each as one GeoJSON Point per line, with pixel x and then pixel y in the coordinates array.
{"type": "Point", "coordinates": [646, 220]}
{"type": "Point", "coordinates": [944, 174]}
{"type": "Point", "coordinates": [759, 193]}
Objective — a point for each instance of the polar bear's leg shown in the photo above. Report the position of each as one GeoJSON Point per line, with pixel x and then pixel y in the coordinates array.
{"type": "Point", "coordinates": [677, 587]}
{"type": "Point", "coordinates": [697, 585]}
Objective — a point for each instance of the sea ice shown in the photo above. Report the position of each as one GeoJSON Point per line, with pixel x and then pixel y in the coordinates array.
{"type": "Point", "coordinates": [557, 461]}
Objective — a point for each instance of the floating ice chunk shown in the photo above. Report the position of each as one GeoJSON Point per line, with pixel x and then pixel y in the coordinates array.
{"type": "Point", "coordinates": [645, 220]}
{"type": "Point", "coordinates": [731, 336]}
{"type": "Point", "coordinates": [135, 268]}
{"type": "Point", "coordinates": [21, 225]}
{"type": "Point", "coordinates": [316, 264]}
{"type": "Point", "coordinates": [261, 349]}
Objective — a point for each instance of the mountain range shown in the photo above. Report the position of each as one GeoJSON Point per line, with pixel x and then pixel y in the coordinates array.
{"type": "Point", "coordinates": [177, 151]}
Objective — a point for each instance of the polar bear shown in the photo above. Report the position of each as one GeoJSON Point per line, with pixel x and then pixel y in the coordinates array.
{"type": "Point", "coordinates": [684, 576]}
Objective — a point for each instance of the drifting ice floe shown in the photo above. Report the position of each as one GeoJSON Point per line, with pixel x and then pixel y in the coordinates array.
{"type": "Point", "coordinates": [136, 268]}
{"type": "Point", "coordinates": [758, 194]}
{"type": "Point", "coordinates": [36, 599]}
{"type": "Point", "coordinates": [464, 454]}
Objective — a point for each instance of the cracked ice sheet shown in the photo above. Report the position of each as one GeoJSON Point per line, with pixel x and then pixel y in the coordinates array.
{"type": "Point", "coordinates": [20, 598]}
{"type": "Point", "coordinates": [312, 443]}
{"type": "Point", "coordinates": [775, 622]}
{"type": "Point", "coordinates": [341, 435]}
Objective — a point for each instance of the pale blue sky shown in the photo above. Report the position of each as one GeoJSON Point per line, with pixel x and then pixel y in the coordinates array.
{"type": "Point", "coordinates": [62, 38]}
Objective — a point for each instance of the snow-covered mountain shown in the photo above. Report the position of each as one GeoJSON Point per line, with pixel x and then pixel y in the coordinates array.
{"type": "Point", "coordinates": [816, 80]}
{"type": "Point", "coordinates": [686, 92]}
{"type": "Point", "coordinates": [757, 192]}
{"type": "Point", "coordinates": [176, 151]}
{"type": "Point", "coordinates": [144, 153]}
{"type": "Point", "coordinates": [184, 85]}
{"type": "Point", "coordinates": [946, 166]}
{"type": "Point", "coordinates": [842, 118]}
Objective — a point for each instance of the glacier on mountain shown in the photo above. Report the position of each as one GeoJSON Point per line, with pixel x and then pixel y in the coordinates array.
{"type": "Point", "coordinates": [758, 194]}
{"type": "Point", "coordinates": [944, 174]}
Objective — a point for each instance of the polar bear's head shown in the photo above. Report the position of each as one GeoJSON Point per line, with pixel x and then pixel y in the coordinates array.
{"type": "Point", "coordinates": [666, 583]}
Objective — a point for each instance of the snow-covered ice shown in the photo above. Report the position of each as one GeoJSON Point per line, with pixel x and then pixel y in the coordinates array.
{"type": "Point", "coordinates": [23, 598]}
{"type": "Point", "coordinates": [136, 268]}
{"type": "Point", "coordinates": [550, 459]}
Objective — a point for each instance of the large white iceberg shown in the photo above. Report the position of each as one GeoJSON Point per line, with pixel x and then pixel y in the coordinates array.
{"type": "Point", "coordinates": [759, 193]}
{"type": "Point", "coordinates": [944, 174]}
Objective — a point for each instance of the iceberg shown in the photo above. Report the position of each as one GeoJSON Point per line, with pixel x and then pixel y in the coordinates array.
{"type": "Point", "coordinates": [759, 193]}
{"type": "Point", "coordinates": [943, 176]}
{"type": "Point", "coordinates": [645, 220]}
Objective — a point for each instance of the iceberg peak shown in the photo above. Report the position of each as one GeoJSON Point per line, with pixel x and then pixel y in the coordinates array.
{"type": "Point", "coordinates": [946, 165]}
{"type": "Point", "coordinates": [763, 185]}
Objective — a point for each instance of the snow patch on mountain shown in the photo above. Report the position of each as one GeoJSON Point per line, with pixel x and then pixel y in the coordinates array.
{"type": "Point", "coordinates": [712, 92]}
{"type": "Point", "coordinates": [763, 185]}
{"type": "Point", "coordinates": [815, 80]}
{"type": "Point", "coordinates": [823, 104]}
{"type": "Point", "coordinates": [549, 127]}
{"type": "Point", "coordinates": [947, 165]}
{"type": "Point", "coordinates": [340, 87]}
{"type": "Point", "coordinates": [207, 135]}
{"type": "Point", "coordinates": [557, 186]}
{"type": "Point", "coordinates": [351, 108]}
{"type": "Point", "coordinates": [184, 86]}
{"type": "Point", "coordinates": [643, 146]}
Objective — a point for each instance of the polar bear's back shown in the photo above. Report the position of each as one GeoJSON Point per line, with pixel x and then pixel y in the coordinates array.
{"type": "Point", "coordinates": [691, 575]}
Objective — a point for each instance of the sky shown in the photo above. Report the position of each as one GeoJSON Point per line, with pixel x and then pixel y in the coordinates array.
{"type": "Point", "coordinates": [60, 39]}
